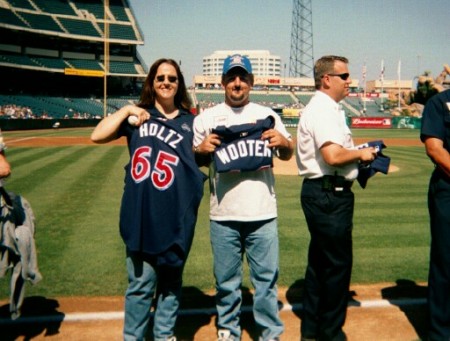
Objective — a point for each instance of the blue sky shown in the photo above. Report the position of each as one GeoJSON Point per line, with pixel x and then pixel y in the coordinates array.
{"type": "Point", "coordinates": [415, 32]}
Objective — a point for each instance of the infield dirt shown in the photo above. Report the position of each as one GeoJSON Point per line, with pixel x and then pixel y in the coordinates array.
{"type": "Point", "coordinates": [376, 312]}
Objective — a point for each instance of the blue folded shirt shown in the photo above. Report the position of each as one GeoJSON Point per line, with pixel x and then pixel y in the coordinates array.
{"type": "Point", "coordinates": [380, 164]}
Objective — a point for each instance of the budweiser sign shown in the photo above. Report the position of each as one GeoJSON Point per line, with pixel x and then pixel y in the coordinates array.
{"type": "Point", "coordinates": [371, 122]}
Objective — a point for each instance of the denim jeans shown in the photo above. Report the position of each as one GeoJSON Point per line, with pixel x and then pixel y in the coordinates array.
{"type": "Point", "coordinates": [143, 276]}
{"type": "Point", "coordinates": [259, 241]}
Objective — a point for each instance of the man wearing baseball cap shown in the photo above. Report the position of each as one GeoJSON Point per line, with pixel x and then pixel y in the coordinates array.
{"type": "Point", "coordinates": [243, 211]}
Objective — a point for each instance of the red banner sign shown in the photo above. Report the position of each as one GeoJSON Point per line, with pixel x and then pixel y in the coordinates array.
{"type": "Point", "coordinates": [371, 122]}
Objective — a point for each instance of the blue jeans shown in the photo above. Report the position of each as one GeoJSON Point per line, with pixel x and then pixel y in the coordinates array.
{"type": "Point", "coordinates": [143, 276]}
{"type": "Point", "coordinates": [259, 240]}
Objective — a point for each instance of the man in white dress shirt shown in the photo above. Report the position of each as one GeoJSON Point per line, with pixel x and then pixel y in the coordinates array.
{"type": "Point", "coordinates": [328, 161]}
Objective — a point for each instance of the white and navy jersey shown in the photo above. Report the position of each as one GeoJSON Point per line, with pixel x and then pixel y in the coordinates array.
{"type": "Point", "coordinates": [239, 196]}
{"type": "Point", "coordinates": [242, 148]}
{"type": "Point", "coordinates": [163, 187]}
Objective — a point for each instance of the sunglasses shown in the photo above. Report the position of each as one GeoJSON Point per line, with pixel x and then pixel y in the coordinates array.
{"type": "Point", "coordinates": [172, 79]}
{"type": "Point", "coordinates": [343, 76]}
{"type": "Point", "coordinates": [231, 77]}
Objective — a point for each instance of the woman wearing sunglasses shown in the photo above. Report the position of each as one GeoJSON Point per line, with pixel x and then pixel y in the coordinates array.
{"type": "Point", "coordinates": [163, 189]}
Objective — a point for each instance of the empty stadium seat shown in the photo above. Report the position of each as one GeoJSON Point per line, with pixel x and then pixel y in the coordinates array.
{"type": "Point", "coordinates": [84, 64]}
{"type": "Point", "coordinates": [21, 4]}
{"type": "Point", "coordinates": [50, 63]}
{"type": "Point", "coordinates": [79, 27]}
{"type": "Point", "coordinates": [41, 22]}
{"type": "Point", "coordinates": [122, 67]}
{"type": "Point", "coordinates": [18, 59]}
{"type": "Point", "coordinates": [10, 18]}
{"type": "Point", "coordinates": [55, 6]}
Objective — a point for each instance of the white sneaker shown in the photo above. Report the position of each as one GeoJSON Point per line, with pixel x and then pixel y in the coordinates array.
{"type": "Point", "coordinates": [224, 335]}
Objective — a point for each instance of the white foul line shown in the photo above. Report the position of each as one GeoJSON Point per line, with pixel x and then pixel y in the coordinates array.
{"type": "Point", "coordinates": [119, 315]}
{"type": "Point", "coordinates": [20, 140]}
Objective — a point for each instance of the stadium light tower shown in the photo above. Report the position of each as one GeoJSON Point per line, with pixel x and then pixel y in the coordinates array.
{"type": "Point", "coordinates": [301, 62]}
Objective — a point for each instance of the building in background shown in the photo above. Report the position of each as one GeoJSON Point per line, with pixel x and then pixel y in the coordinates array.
{"type": "Point", "coordinates": [263, 63]}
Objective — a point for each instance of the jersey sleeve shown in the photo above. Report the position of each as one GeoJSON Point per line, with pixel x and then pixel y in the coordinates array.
{"type": "Point", "coordinates": [433, 120]}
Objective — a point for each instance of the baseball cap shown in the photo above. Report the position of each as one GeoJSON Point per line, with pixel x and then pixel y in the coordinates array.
{"type": "Point", "coordinates": [236, 60]}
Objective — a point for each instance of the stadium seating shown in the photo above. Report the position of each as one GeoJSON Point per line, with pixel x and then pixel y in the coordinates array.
{"type": "Point", "coordinates": [21, 4]}
{"type": "Point", "coordinates": [117, 31]}
{"type": "Point", "coordinates": [79, 27]}
{"type": "Point", "coordinates": [17, 59]}
{"type": "Point", "coordinates": [94, 7]}
{"type": "Point", "coordinates": [10, 18]}
{"type": "Point", "coordinates": [122, 67]}
{"type": "Point", "coordinates": [84, 64]}
{"type": "Point", "coordinates": [51, 63]}
{"type": "Point", "coordinates": [273, 98]}
{"type": "Point", "coordinates": [76, 21]}
{"type": "Point", "coordinates": [41, 22]}
{"type": "Point", "coordinates": [118, 10]}
{"type": "Point", "coordinates": [60, 107]}
{"type": "Point", "coordinates": [115, 67]}
{"type": "Point", "coordinates": [118, 102]}
{"type": "Point", "coordinates": [55, 6]}
{"type": "Point", "coordinates": [206, 99]}
{"type": "Point", "coordinates": [369, 108]}
{"type": "Point", "coordinates": [64, 107]}
{"type": "Point", "coordinates": [304, 98]}
{"type": "Point", "coordinates": [75, 17]}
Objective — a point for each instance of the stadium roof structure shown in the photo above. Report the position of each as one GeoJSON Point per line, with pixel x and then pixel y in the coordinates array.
{"type": "Point", "coordinates": [73, 19]}
{"type": "Point", "coordinates": [68, 36]}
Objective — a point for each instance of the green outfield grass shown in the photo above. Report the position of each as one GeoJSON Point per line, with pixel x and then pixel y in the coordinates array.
{"type": "Point", "coordinates": [75, 192]}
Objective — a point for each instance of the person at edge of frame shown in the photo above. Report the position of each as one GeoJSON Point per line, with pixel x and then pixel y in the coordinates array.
{"type": "Point", "coordinates": [5, 167]}
{"type": "Point", "coordinates": [435, 134]}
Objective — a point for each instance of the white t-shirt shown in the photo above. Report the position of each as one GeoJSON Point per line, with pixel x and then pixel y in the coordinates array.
{"type": "Point", "coordinates": [322, 121]}
{"type": "Point", "coordinates": [244, 196]}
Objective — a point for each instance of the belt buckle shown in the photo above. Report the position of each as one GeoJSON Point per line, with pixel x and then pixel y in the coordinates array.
{"type": "Point", "coordinates": [338, 189]}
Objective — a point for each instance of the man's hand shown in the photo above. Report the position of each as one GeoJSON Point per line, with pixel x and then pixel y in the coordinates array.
{"type": "Point", "coordinates": [277, 140]}
{"type": "Point", "coordinates": [208, 145]}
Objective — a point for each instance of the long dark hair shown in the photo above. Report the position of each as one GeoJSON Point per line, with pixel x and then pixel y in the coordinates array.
{"type": "Point", "coordinates": [148, 97]}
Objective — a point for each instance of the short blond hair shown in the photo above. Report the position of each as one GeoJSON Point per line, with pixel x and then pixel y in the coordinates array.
{"type": "Point", "coordinates": [325, 65]}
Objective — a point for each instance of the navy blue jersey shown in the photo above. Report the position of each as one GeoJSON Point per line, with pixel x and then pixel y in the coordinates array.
{"type": "Point", "coordinates": [379, 164]}
{"type": "Point", "coordinates": [241, 148]}
{"type": "Point", "coordinates": [163, 188]}
{"type": "Point", "coordinates": [436, 118]}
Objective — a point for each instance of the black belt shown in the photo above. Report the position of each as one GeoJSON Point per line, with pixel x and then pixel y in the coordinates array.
{"type": "Point", "coordinates": [333, 183]}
